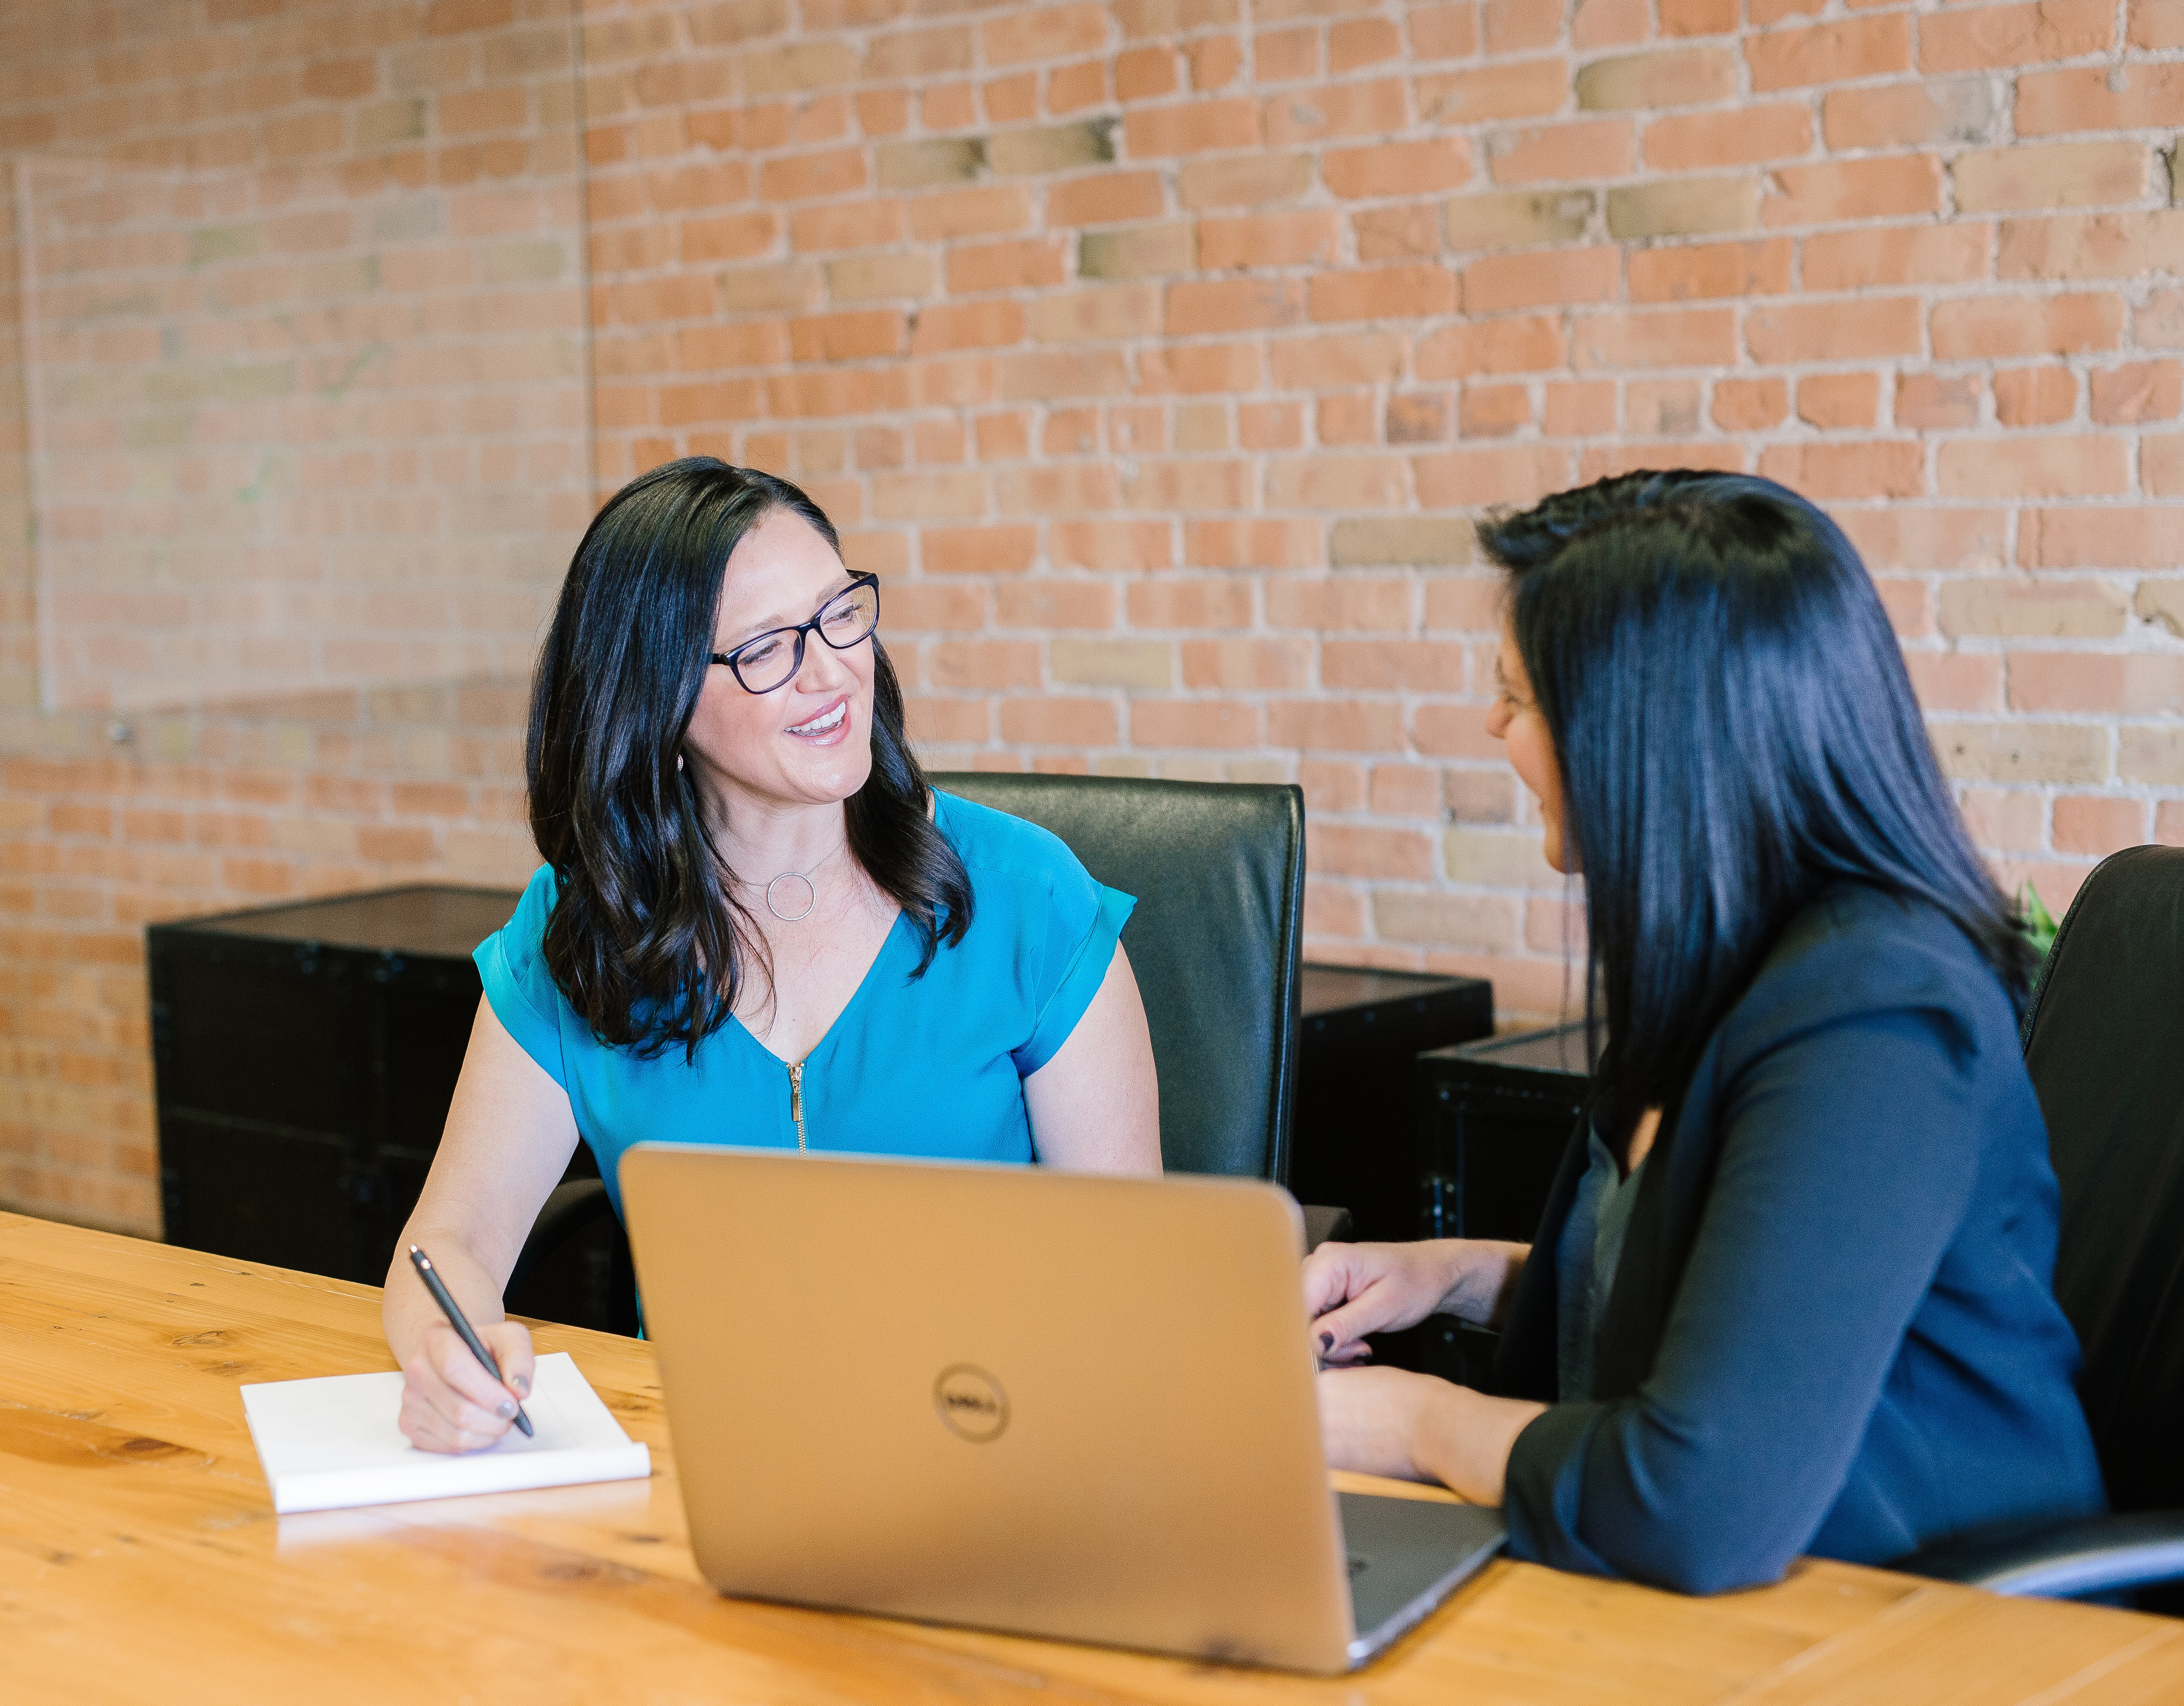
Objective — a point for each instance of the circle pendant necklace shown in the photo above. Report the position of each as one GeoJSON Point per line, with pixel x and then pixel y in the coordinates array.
{"type": "Point", "coordinates": [811, 896]}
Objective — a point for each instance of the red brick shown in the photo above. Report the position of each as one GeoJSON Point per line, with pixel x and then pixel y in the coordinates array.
{"type": "Point", "coordinates": [2146, 97]}
{"type": "Point", "coordinates": [1781, 334]}
{"type": "Point", "coordinates": [1990, 328]}
{"type": "Point", "coordinates": [1335, 725]}
{"type": "Point", "coordinates": [2078, 466]}
{"type": "Point", "coordinates": [1105, 199]}
{"type": "Point", "coordinates": [1879, 468]}
{"type": "Point", "coordinates": [1750, 406]}
{"type": "Point", "coordinates": [1834, 53]}
{"type": "Point", "coordinates": [1540, 278]}
{"type": "Point", "coordinates": [2056, 175]}
{"type": "Point", "coordinates": [1587, 150]}
{"type": "Point", "coordinates": [1356, 42]}
{"type": "Point", "coordinates": [1989, 37]}
{"type": "Point", "coordinates": [1190, 127]}
{"type": "Point", "coordinates": [1494, 411]}
{"type": "Point", "coordinates": [1099, 544]}
{"type": "Point", "coordinates": [1052, 32]}
{"type": "Point", "coordinates": [1470, 478]}
{"type": "Point", "coordinates": [1444, 32]}
{"type": "Point", "coordinates": [1740, 136]}
{"type": "Point", "coordinates": [1268, 240]}
{"type": "Point", "coordinates": [999, 550]}
{"type": "Point", "coordinates": [1865, 189]}
{"type": "Point", "coordinates": [1387, 293]}
{"type": "Point", "coordinates": [1441, 164]}
{"type": "Point", "coordinates": [1708, 270]}
{"type": "Point", "coordinates": [1215, 61]}
{"type": "Point", "coordinates": [1520, 89]}
{"type": "Point", "coordinates": [1698, 17]}
{"type": "Point", "coordinates": [1578, 409]}
{"type": "Point", "coordinates": [1909, 115]}
{"type": "Point", "coordinates": [2116, 245]}
{"type": "Point", "coordinates": [1212, 305]}
{"type": "Point", "coordinates": [987, 211]}
{"type": "Point", "coordinates": [2101, 538]}
{"type": "Point", "coordinates": [1284, 56]}
{"type": "Point", "coordinates": [1221, 724]}
{"type": "Point", "coordinates": [1526, 345]}
{"type": "Point", "coordinates": [1291, 542]}
{"type": "Point", "coordinates": [1954, 253]}
{"type": "Point", "coordinates": [1833, 401]}
{"type": "Point", "coordinates": [1247, 666]}
{"type": "Point", "coordinates": [1937, 403]}
{"type": "Point", "coordinates": [967, 326]}
{"type": "Point", "coordinates": [1243, 180]}
{"type": "Point", "coordinates": [1356, 358]}
{"type": "Point", "coordinates": [1020, 265]}
{"type": "Point", "coordinates": [2095, 826]}
{"type": "Point", "coordinates": [2139, 392]}
{"type": "Point", "coordinates": [1340, 110]}
{"type": "Point", "coordinates": [2157, 24]}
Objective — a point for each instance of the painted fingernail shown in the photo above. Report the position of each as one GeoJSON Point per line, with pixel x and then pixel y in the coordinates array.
{"type": "Point", "coordinates": [1326, 1343]}
{"type": "Point", "coordinates": [505, 1409]}
{"type": "Point", "coordinates": [523, 1383]}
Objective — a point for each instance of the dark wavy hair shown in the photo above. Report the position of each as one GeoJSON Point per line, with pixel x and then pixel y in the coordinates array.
{"type": "Point", "coordinates": [1737, 730]}
{"type": "Point", "coordinates": [647, 938]}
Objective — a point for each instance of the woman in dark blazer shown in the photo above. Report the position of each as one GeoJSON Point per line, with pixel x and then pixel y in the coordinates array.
{"type": "Point", "coordinates": [1792, 1292]}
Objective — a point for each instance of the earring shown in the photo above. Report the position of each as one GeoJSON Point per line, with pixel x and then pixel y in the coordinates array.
{"type": "Point", "coordinates": [678, 764]}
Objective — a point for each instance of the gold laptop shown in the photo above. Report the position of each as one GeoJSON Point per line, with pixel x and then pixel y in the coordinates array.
{"type": "Point", "coordinates": [1037, 1401]}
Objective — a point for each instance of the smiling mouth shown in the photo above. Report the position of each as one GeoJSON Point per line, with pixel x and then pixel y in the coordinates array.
{"type": "Point", "coordinates": [826, 724]}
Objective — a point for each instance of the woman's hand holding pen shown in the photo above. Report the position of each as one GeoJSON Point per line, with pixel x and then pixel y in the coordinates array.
{"type": "Point", "coordinates": [449, 1402]}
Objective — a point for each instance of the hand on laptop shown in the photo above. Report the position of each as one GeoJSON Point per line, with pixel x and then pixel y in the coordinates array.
{"type": "Point", "coordinates": [1352, 1290]}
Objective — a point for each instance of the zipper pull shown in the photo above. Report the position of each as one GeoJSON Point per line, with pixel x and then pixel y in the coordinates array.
{"type": "Point", "coordinates": [796, 1100]}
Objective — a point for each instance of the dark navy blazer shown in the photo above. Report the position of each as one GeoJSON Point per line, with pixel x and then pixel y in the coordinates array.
{"type": "Point", "coordinates": [1834, 1328]}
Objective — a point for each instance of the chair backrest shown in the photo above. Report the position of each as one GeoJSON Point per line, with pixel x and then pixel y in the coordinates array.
{"type": "Point", "coordinates": [2105, 1041]}
{"type": "Point", "coordinates": [1217, 869]}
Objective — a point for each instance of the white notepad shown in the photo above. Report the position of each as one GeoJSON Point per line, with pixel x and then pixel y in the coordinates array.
{"type": "Point", "coordinates": [332, 1443]}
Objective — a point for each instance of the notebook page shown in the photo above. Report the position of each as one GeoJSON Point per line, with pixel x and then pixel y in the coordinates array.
{"type": "Point", "coordinates": [334, 1442]}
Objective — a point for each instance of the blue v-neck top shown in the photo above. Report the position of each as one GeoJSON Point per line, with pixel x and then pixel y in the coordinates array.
{"type": "Point", "coordinates": [933, 1066]}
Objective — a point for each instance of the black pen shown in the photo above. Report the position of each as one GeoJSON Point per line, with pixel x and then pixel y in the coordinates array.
{"type": "Point", "coordinates": [445, 1299]}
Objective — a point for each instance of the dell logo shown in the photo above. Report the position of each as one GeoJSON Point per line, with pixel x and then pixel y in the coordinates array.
{"type": "Point", "coordinates": [971, 1403]}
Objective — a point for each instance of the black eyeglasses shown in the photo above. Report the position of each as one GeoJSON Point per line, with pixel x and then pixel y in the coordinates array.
{"type": "Point", "coordinates": [769, 661]}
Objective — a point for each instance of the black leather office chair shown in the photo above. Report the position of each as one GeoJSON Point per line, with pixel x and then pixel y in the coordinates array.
{"type": "Point", "coordinates": [1215, 942]}
{"type": "Point", "coordinates": [1217, 869]}
{"type": "Point", "coordinates": [2105, 1041]}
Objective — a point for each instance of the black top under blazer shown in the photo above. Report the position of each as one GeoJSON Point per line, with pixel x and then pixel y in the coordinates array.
{"type": "Point", "coordinates": [1834, 1328]}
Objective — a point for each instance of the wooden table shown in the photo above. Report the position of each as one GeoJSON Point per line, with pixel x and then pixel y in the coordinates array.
{"type": "Point", "coordinates": [139, 1560]}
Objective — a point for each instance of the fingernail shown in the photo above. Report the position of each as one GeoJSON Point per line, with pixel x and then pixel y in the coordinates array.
{"type": "Point", "coordinates": [1326, 1343]}
{"type": "Point", "coordinates": [506, 1409]}
{"type": "Point", "coordinates": [523, 1383]}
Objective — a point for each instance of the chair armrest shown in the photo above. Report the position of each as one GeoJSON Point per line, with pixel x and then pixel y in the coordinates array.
{"type": "Point", "coordinates": [2060, 1560]}
{"type": "Point", "coordinates": [570, 1208]}
{"type": "Point", "coordinates": [1325, 1225]}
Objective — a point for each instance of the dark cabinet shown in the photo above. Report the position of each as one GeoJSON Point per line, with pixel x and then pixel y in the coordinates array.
{"type": "Point", "coordinates": [306, 1056]}
{"type": "Point", "coordinates": [1356, 1140]}
{"type": "Point", "coordinates": [1498, 1115]}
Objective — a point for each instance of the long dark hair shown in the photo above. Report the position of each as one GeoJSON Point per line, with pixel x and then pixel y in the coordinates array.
{"type": "Point", "coordinates": [1736, 730]}
{"type": "Point", "coordinates": [647, 939]}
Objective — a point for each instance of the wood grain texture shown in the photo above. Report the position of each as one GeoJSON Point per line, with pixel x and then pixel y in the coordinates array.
{"type": "Point", "coordinates": [140, 1560]}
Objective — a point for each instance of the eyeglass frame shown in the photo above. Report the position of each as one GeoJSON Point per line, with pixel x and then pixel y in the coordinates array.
{"type": "Point", "coordinates": [800, 630]}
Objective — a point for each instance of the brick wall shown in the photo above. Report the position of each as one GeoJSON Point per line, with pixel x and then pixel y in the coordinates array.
{"type": "Point", "coordinates": [1155, 352]}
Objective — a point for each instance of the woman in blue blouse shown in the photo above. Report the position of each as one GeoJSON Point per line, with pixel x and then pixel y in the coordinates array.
{"type": "Point", "coordinates": [756, 924]}
{"type": "Point", "coordinates": [1792, 1289]}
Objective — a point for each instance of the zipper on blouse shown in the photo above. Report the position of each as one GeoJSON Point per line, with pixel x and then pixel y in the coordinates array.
{"type": "Point", "coordinates": [796, 1100]}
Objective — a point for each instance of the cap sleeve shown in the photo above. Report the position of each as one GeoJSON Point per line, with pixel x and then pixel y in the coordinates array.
{"type": "Point", "coordinates": [1083, 925]}
{"type": "Point", "coordinates": [519, 987]}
